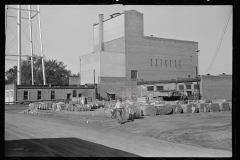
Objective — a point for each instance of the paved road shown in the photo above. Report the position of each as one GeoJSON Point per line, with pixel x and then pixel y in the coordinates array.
{"type": "Point", "coordinates": [36, 135]}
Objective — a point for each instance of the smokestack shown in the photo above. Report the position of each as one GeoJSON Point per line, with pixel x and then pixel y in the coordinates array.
{"type": "Point", "coordinates": [101, 32]}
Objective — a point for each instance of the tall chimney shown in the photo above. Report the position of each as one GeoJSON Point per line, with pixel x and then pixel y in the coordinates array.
{"type": "Point", "coordinates": [101, 32]}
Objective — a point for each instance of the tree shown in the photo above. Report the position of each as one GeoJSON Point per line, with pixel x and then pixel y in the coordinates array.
{"type": "Point", "coordinates": [56, 73]}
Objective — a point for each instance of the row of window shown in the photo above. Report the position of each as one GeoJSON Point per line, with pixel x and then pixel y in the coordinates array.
{"type": "Point", "coordinates": [39, 95]}
{"type": "Point", "coordinates": [170, 63]}
{"type": "Point", "coordinates": [180, 87]}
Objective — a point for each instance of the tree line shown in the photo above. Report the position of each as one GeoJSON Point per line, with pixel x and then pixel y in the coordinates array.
{"type": "Point", "coordinates": [55, 72]}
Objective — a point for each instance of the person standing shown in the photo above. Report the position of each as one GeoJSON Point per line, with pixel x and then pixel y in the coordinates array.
{"type": "Point", "coordinates": [119, 108]}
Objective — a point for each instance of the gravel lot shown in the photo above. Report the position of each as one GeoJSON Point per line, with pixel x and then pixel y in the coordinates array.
{"type": "Point", "coordinates": [84, 134]}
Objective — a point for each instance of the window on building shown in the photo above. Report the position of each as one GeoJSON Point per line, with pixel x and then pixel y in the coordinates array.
{"type": "Point", "coordinates": [180, 64]}
{"type": "Point", "coordinates": [74, 93]}
{"type": "Point", "coordinates": [195, 86]}
{"type": "Point", "coordinates": [25, 95]}
{"type": "Point", "coordinates": [149, 88]}
{"type": "Point", "coordinates": [52, 94]}
{"type": "Point", "coordinates": [170, 63]}
{"type": "Point", "coordinates": [151, 62]}
{"type": "Point", "coordinates": [181, 87]}
{"type": "Point", "coordinates": [39, 94]}
{"type": "Point", "coordinates": [160, 88]}
{"type": "Point", "coordinates": [189, 76]}
{"type": "Point", "coordinates": [188, 87]}
{"type": "Point", "coordinates": [134, 74]}
{"type": "Point", "coordinates": [166, 63]}
{"type": "Point", "coordinates": [156, 62]}
{"type": "Point", "coordinates": [175, 63]}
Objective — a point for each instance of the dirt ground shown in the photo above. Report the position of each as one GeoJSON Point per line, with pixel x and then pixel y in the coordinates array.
{"type": "Point", "coordinates": [89, 134]}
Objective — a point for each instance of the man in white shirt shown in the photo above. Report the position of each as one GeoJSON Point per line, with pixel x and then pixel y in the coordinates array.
{"type": "Point", "coordinates": [119, 108]}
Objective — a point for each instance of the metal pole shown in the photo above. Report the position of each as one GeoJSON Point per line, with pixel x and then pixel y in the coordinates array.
{"type": "Point", "coordinates": [31, 45]}
{"type": "Point", "coordinates": [40, 34]}
{"type": "Point", "coordinates": [197, 82]}
{"type": "Point", "coordinates": [19, 46]}
{"type": "Point", "coordinates": [80, 73]}
{"type": "Point", "coordinates": [94, 77]}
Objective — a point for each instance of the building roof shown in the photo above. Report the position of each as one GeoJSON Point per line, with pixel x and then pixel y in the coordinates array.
{"type": "Point", "coordinates": [178, 80]}
{"type": "Point", "coordinates": [54, 87]}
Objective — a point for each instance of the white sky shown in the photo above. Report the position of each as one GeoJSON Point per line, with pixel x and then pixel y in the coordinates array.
{"type": "Point", "coordinates": [67, 31]}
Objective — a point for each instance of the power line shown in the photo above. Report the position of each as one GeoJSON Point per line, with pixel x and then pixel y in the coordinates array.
{"type": "Point", "coordinates": [219, 44]}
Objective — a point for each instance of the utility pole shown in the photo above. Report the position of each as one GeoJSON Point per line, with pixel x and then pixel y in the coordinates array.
{"type": "Point", "coordinates": [198, 91]}
{"type": "Point", "coordinates": [80, 73]}
{"type": "Point", "coordinates": [40, 36]}
{"type": "Point", "coordinates": [19, 45]}
{"type": "Point", "coordinates": [31, 45]}
{"type": "Point", "coordinates": [94, 77]}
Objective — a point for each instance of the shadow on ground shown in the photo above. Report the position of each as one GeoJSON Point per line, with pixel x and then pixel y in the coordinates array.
{"type": "Point", "coordinates": [60, 147]}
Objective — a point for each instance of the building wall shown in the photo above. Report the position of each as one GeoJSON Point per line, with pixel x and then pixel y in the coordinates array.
{"type": "Point", "coordinates": [111, 84]}
{"type": "Point", "coordinates": [116, 45]}
{"type": "Point", "coordinates": [112, 29]}
{"type": "Point", "coordinates": [89, 63]}
{"type": "Point", "coordinates": [219, 87]}
{"type": "Point", "coordinates": [59, 93]}
{"type": "Point", "coordinates": [112, 64]}
{"type": "Point", "coordinates": [142, 89]}
{"type": "Point", "coordinates": [74, 80]}
{"type": "Point", "coordinates": [141, 49]}
{"type": "Point", "coordinates": [10, 92]}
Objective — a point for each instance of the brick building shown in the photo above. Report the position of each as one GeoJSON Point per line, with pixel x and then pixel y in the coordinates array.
{"type": "Point", "coordinates": [123, 55]}
{"type": "Point", "coordinates": [211, 87]}
{"type": "Point", "coordinates": [15, 92]}
{"type": "Point", "coordinates": [216, 87]}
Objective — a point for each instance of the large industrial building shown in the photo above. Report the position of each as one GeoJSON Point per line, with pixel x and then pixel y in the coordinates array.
{"type": "Point", "coordinates": [123, 55]}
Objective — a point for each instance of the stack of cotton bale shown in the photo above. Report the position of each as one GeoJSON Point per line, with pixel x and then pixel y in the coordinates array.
{"type": "Point", "coordinates": [177, 109]}
{"type": "Point", "coordinates": [41, 106]}
{"type": "Point", "coordinates": [33, 106]}
{"type": "Point", "coordinates": [164, 109]}
{"type": "Point", "coordinates": [69, 107]}
{"type": "Point", "coordinates": [60, 106]}
{"type": "Point", "coordinates": [204, 107]}
{"type": "Point", "coordinates": [142, 99]}
{"type": "Point", "coordinates": [184, 107]}
{"type": "Point", "coordinates": [133, 109]}
{"type": "Point", "coordinates": [192, 108]}
{"type": "Point", "coordinates": [224, 106]}
{"type": "Point", "coordinates": [214, 107]}
{"type": "Point", "coordinates": [149, 110]}
{"type": "Point", "coordinates": [54, 106]}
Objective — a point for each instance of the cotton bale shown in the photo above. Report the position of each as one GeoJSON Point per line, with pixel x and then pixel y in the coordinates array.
{"type": "Point", "coordinates": [177, 109]}
{"type": "Point", "coordinates": [150, 110]}
{"type": "Point", "coordinates": [202, 107]}
{"type": "Point", "coordinates": [108, 113]}
{"type": "Point", "coordinates": [54, 106]}
{"type": "Point", "coordinates": [230, 105]}
{"type": "Point", "coordinates": [135, 111]}
{"type": "Point", "coordinates": [69, 107]}
{"type": "Point", "coordinates": [165, 110]}
{"type": "Point", "coordinates": [214, 107]}
{"type": "Point", "coordinates": [224, 106]}
{"type": "Point", "coordinates": [58, 107]}
{"type": "Point", "coordinates": [195, 109]}
{"type": "Point", "coordinates": [190, 108]}
{"type": "Point", "coordinates": [184, 107]}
